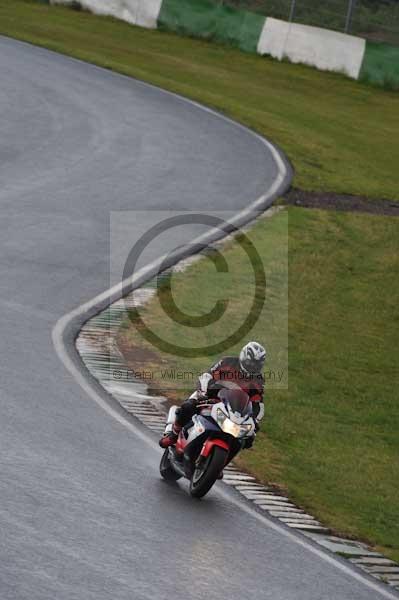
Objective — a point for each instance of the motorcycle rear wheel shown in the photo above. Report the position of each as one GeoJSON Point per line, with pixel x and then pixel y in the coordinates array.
{"type": "Point", "coordinates": [166, 469]}
{"type": "Point", "coordinates": [205, 476]}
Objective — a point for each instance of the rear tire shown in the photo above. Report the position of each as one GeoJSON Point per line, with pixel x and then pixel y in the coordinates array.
{"type": "Point", "coordinates": [204, 478]}
{"type": "Point", "coordinates": [166, 469]}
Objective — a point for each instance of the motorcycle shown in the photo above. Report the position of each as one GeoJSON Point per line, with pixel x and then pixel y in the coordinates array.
{"type": "Point", "coordinates": [210, 441]}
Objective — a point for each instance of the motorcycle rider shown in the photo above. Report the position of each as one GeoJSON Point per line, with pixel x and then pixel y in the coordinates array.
{"type": "Point", "coordinates": [244, 371]}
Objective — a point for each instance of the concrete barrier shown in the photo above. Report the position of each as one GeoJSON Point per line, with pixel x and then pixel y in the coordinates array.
{"type": "Point", "coordinates": [326, 50]}
{"type": "Point", "coordinates": [137, 12]}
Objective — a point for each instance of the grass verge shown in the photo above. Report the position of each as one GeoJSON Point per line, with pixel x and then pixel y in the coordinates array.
{"type": "Point", "coordinates": [341, 136]}
{"type": "Point", "coordinates": [332, 437]}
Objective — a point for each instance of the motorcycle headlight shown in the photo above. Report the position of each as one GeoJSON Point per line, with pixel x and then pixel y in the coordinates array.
{"type": "Point", "coordinates": [220, 417]}
{"type": "Point", "coordinates": [228, 426]}
{"type": "Point", "coordinates": [231, 428]}
{"type": "Point", "coordinates": [245, 429]}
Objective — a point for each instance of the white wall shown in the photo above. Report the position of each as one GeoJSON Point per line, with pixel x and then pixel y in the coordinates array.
{"type": "Point", "coordinates": [138, 12]}
{"type": "Point", "coordinates": [327, 50]}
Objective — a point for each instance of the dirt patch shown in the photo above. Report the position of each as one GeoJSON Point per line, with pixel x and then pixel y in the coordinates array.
{"type": "Point", "coordinates": [331, 201]}
{"type": "Point", "coordinates": [142, 363]}
{"type": "Point", "coordinates": [136, 356]}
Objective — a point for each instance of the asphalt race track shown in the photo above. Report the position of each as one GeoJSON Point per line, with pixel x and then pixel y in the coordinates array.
{"type": "Point", "coordinates": [83, 512]}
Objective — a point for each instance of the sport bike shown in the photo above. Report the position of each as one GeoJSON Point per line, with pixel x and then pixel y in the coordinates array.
{"type": "Point", "coordinates": [209, 441]}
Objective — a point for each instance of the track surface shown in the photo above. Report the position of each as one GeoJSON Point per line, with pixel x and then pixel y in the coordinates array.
{"type": "Point", "coordinates": [83, 513]}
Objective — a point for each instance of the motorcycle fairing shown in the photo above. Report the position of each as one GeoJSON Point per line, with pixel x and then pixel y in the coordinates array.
{"type": "Point", "coordinates": [211, 443]}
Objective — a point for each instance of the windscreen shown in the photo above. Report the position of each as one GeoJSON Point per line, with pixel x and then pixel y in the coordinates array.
{"type": "Point", "coordinates": [237, 399]}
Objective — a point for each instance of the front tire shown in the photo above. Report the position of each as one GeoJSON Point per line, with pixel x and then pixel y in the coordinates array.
{"type": "Point", "coordinates": [205, 476]}
{"type": "Point", "coordinates": [166, 469]}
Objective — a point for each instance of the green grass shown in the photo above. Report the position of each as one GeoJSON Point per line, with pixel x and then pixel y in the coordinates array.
{"type": "Point", "coordinates": [341, 136]}
{"type": "Point", "coordinates": [332, 437]}
{"type": "Point", "coordinates": [238, 287]}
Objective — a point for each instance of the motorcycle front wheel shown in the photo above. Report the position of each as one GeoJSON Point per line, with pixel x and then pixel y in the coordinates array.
{"type": "Point", "coordinates": [207, 472]}
{"type": "Point", "coordinates": [166, 469]}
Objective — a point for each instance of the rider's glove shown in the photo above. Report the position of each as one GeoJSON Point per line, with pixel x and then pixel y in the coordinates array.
{"type": "Point", "coordinates": [249, 442]}
{"type": "Point", "coordinates": [202, 399]}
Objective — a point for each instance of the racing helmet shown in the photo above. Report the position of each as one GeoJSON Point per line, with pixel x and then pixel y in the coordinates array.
{"type": "Point", "coordinates": [252, 358]}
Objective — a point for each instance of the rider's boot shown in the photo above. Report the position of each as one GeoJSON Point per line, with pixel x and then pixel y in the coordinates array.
{"type": "Point", "coordinates": [169, 438]}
